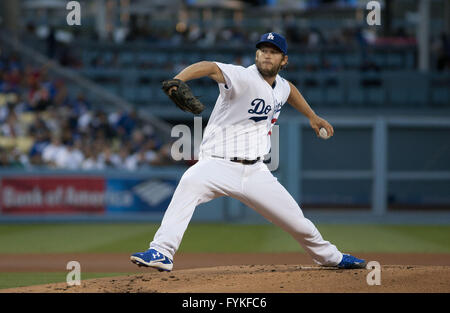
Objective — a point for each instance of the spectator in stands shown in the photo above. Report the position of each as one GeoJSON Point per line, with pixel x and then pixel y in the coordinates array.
{"type": "Point", "coordinates": [14, 78]}
{"type": "Point", "coordinates": [61, 93]}
{"type": "Point", "coordinates": [12, 127]}
{"type": "Point", "coordinates": [137, 140]}
{"type": "Point", "coordinates": [315, 38]}
{"type": "Point", "coordinates": [40, 137]}
{"type": "Point", "coordinates": [195, 33]}
{"type": "Point", "coordinates": [4, 159]}
{"type": "Point", "coordinates": [291, 29]}
{"type": "Point", "coordinates": [71, 157]}
{"type": "Point", "coordinates": [100, 126]}
{"type": "Point", "coordinates": [66, 133]}
{"type": "Point", "coordinates": [84, 121]}
{"type": "Point", "coordinates": [41, 99]}
{"type": "Point", "coordinates": [107, 159]}
{"type": "Point", "coordinates": [162, 156]}
{"type": "Point", "coordinates": [17, 159]}
{"type": "Point", "coordinates": [90, 160]}
{"type": "Point", "coordinates": [133, 161]}
{"type": "Point", "coordinates": [68, 57]}
{"type": "Point", "coordinates": [126, 124]}
{"type": "Point", "coordinates": [122, 159]}
{"type": "Point", "coordinates": [51, 153]}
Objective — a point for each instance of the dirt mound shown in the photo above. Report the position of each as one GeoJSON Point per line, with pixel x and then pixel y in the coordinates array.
{"type": "Point", "coordinates": [262, 279]}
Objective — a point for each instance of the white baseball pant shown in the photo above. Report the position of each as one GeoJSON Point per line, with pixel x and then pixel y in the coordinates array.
{"type": "Point", "coordinates": [256, 187]}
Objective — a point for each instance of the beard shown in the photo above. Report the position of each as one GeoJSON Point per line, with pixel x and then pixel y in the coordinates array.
{"type": "Point", "coordinates": [268, 72]}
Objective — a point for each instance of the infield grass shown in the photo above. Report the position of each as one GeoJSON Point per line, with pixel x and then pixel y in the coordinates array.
{"type": "Point", "coordinates": [132, 237]}
{"type": "Point", "coordinates": [22, 279]}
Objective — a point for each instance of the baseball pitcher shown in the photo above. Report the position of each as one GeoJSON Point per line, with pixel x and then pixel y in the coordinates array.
{"type": "Point", "coordinates": [231, 154]}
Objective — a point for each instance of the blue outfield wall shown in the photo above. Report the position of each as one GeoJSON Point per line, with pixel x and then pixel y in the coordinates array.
{"type": "Point", "coordinates": [126, 203]}
{"type": "Point", "coordinates": [26, 195]}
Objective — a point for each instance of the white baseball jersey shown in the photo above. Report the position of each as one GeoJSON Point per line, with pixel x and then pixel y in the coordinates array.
{"type": "Point", "coordinates": [239, 126]}
{"type": "Point", "coordinates": [244, 114]}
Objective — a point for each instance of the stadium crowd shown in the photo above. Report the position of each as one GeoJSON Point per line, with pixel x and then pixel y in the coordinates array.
{"type": "Point", "coordinates": [355, 38]}
{"type": "Point", "coordinates": [42, 126]}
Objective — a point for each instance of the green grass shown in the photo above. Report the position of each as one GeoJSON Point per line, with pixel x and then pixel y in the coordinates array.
{"type": "Point", "coordinates": [389, 238]}
{"type": "Point", "coordinates": [21, 279]}
{"type": "Point", "coordinates": [128, 237]}
{"type": "Point", "coordinates": [74, 238]}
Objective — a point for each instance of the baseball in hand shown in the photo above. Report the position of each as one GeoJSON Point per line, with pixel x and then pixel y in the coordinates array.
{"type": "Point", "coordinates": [323, 133]}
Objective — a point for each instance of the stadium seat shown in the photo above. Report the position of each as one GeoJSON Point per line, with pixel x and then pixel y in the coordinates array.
{"type": "Point", "coordinates": [126, 58]}
{"type": "Point", "coordinates": [395, 60]}
{"type": "Point", "coordinates": [409, 60]}
{"type": "Point", "coordinates": [113, 88]}
{"type": "Point", "coordinates": [380, 59]}
{"type": "Point", "coordinates": [439, 86]}
{"type": "Point", "coordinates": [312, 89]}
{"type": "Point", "coordinates": [159, 95]}
{"type": "Point", "coordinates": [312, 58]}
{"type": "Point", "coordinates": [397, 87]}
{"type": "Point", "coordinates": [356, 97]}
{"type": "Point", "coordinates": [355, 94]}
{"type": "Point", "coordinates": [334, 59]}
{"type": "Point", "coordinates": [296, 60]}
{"type": "Point", "coordinates": [130, 93]}
{"type": "Point", "coordinates": [24, 143]}
{"type": "Point", "coordinates": [7, 142]}
{"type": "Point", "coordinates": [352, 60]}
{"type": "Point", "coordinates": [333, 90]}
{"type": "Point", "coordinates": [7, 97]}
{"type": "Point", "coordinates": [194, 58]}
{"type": "Point", "coordinates": [160, 58]}
{"type": "Point", "coordinates": [27, 117]}
{"type": "Point", "coordinates": [408, 88]}
{"type": "Point", "coordinates": [145, 58]}
{"type": "Point", "coordinates": [372, 84]}
{"type": "Point", "coordinates": [376, 96]}
{"type": "Point", "coordinates": [440, 96]}
{"type": "Point", "coordinates": [145, 94]}
{"type": "Point", "coordinates": [418, 89]}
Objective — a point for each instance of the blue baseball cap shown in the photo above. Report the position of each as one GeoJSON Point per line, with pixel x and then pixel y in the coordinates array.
{"type": "Point", "coordinates": [275, 39]}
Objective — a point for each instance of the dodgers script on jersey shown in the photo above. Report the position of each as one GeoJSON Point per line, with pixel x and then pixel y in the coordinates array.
{"type": "Point", "coordinates": [243, 116]}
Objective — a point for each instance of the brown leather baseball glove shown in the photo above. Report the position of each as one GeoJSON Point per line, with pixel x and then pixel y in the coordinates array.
{"type": "Point", "coordinates": [182, 96]}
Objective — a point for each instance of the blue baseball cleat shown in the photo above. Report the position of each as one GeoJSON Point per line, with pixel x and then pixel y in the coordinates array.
{"type": "Point", "coordinates": [350, 262]}
{"type": "Point", "coordinates": [152, 258]}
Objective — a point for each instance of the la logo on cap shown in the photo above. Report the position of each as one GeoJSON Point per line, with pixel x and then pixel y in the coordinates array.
{"type": "Point", "coordinates": [270, 36]}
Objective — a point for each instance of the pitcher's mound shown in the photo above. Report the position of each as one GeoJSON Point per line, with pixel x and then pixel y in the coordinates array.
{"type": "Point", "coordinates": [264, 279]}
